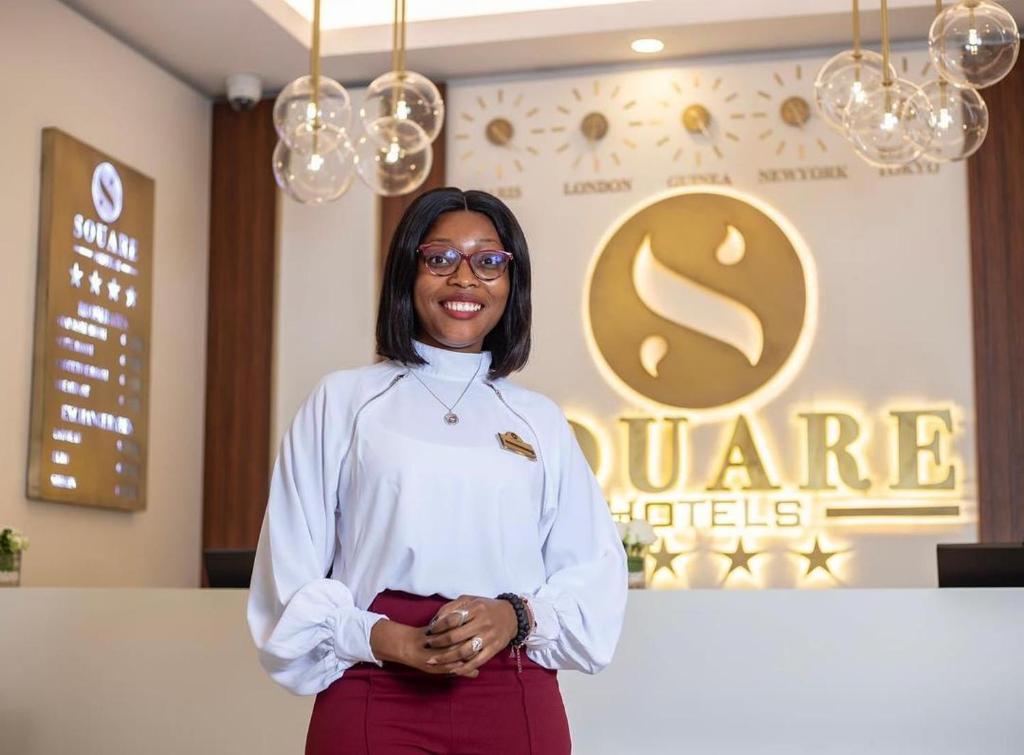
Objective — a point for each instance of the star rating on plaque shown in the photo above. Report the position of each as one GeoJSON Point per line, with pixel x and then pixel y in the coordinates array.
{"type": "Point", "coordinates": [114, 289]}
{"type": "Point", "coordinates": [76, 275]}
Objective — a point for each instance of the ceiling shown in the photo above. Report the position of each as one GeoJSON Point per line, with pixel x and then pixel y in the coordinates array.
{"type": "Point", "coordinates": [203, 41]}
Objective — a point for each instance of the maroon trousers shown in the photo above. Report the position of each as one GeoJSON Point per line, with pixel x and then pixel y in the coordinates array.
{"type": "Point", "coordinates": [399, 710]}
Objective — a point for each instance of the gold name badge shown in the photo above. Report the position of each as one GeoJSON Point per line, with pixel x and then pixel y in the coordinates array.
{"type": "Point", "coordinates": [512, 442]}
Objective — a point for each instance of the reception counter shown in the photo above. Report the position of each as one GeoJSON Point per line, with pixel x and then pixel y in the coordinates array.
{"type": "Point", "coordinates": [167, 671]}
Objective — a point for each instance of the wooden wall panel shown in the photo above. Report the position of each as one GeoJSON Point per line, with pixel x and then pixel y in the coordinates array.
{"type": "Point", "coordinates": [243, 210]}
{"type": "Point", "coordinates": [996, 186]}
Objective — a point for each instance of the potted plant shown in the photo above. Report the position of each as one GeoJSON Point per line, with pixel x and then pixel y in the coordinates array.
{"type": "Point", "coordinates": [12, 543]}
{"type": "Point", "coordinates": [637, 536]}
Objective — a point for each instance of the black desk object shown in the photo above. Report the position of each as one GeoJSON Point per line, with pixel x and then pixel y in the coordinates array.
{"type": "Point", "coordinates": [228, 567]}
{"type": "Point", "coordinates": [981, 564]}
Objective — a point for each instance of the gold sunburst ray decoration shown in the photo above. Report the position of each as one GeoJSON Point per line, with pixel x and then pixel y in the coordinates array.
{"type": "Point", "coordinates": [700, 120]}
{"type": "Point", "coordinates": [596, 125]}
{"type": "Point", "coordinates": [786, 121]}
{"type": "Point", "coordinates": [498, 133]}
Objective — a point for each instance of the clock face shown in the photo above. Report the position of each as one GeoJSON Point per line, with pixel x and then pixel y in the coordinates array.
{"type": "Point", "coordinates": [497, 135]}
{"type": "Point", "coordinates": [700, 122]}
{"type": "Point", "coordinates": [107, 192]}
{"type": "Point", "coordinates": [787, 124]}
{"type": "Point", "coordinates": [596, 128]}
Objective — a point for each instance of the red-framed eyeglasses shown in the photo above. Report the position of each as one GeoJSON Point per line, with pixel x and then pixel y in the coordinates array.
{"type": "Point", "coordinates": [486, 264]}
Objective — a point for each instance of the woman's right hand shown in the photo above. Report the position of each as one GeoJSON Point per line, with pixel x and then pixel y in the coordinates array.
{"type": "Point", "coordinates": [395, 642]}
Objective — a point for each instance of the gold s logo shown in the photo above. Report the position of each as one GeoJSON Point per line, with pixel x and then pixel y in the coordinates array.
{"type": "Point", "coordinates": [701, 300]}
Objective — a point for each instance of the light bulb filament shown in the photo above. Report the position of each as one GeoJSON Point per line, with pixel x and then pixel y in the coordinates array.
{"type": "Point", "coordinates": [973, 45]}
{"type": "Point", "coordinates": [313, 120]}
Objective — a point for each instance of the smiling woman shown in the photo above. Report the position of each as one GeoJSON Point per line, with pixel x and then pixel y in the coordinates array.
{"type": "Point", "coordinates": [465, 260]}
{"type": "Point", "coordinates": [467, 287]}
{"type": "Point", "coordinates": [435, 549]}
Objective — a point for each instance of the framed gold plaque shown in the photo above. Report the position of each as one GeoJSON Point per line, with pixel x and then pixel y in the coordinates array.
{"type": "Point", "coordinates": [94, 296]}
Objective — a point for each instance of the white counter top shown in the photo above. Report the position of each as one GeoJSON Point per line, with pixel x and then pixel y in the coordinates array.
{"type": "Point", "coordinates": [162, 671]}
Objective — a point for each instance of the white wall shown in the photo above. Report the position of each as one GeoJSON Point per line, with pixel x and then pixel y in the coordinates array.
{"type": "Point", "coordinates": [892, 267]}
{"type": "Point", "coordinates": [58, 69]}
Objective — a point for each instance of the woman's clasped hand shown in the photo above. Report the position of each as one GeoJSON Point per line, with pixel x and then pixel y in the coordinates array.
{"type": "Point", "coordinates": [446, 645]}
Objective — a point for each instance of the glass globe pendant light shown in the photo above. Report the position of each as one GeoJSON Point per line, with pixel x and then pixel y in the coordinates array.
{"type": "Point", "coordinates": [973, 43]}
{"type": "Point", "coordinates": [314, 177]}
{"type": "Point", "coordinates": [302, 115]}
{"type": "Point", "coordinates": [393, 157]}
{"type": "Point", "coordinates": [959, 120]}
{"type": "Point", "coordinates": [313, 161]}
{"type": "Point", "coordinates": [402, 94]}
{"type": "Point", "coordinates": [845, 76]}
{"type": "Point", "coordinates": [889, 125]}
{"type": "Point", "coordinates": [314, 105]}
{"type": "Point", "coordinates": [401, 116]}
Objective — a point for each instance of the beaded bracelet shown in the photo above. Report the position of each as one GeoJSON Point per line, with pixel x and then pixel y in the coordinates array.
{"type": "Point", "coordinates": [523, 623]}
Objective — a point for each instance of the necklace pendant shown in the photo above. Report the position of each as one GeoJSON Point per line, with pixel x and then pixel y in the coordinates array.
{"type": "Point", "coordinates": [451, 418]}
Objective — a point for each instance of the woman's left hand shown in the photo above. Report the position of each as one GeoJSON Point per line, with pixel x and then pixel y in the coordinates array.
{"type": "Point", "coordinates": [491, 619]}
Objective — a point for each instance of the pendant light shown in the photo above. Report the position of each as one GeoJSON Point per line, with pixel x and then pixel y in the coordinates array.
{"type": "Point", "coordinates": [959, 119]}
{"type": "Point", "coordinates": [402, 113]}
{"type": "Point", "coordinates": [400, 93]}
{"type": "Point", "coordinates": [889, 125]}
{"type": "Point", "coordinates": [973, 43]}
{"type": "Point", "coordinates": [846, 76]}
{"type": "Point", "coordinates": [313, 161]}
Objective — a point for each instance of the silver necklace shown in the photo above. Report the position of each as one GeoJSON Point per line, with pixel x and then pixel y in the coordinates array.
{"type": "Point", "coordinates": [451, 417]}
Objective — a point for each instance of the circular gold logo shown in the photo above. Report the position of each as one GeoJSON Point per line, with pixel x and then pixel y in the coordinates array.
{"type": "Point", "coordinates": [702, 299]}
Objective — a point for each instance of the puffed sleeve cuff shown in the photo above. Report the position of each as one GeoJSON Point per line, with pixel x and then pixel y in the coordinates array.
{"type": "Point", "coordinates": [546, 629]}
{"type": "Point", "coordinates": [321, 620]}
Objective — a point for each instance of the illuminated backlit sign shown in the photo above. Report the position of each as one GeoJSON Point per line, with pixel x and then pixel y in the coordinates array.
{"type": "Point", "coordinates": [93, 309]}
{"type": "Point", "coordinates": [700, 308]}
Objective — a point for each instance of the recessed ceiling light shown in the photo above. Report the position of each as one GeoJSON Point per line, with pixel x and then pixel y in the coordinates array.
{"type": "Point", "coordinates": [647, 45]}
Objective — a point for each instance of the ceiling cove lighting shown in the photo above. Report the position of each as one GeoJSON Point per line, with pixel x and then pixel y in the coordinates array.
{"type": "Point", "coordinates": [345, 14]}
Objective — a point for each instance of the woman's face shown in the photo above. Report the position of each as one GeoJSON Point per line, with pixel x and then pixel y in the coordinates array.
{"type": "Point", "coordinates": [433, 295]}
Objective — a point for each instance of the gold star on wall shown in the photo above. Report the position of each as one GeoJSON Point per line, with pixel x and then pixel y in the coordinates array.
{"type": "Point", "coordinates": [663, 558]}
{"type": "Point", "coordinates": [739, 559]}
{"type": "Point", "coordinates": [818, 559]}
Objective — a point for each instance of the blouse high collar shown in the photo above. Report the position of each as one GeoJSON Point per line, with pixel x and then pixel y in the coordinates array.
{"type": "Point", "coordinates": [451, 365]}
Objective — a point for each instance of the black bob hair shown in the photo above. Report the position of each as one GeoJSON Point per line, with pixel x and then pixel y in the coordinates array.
{"type": "Point", "coordinates": [397, 324]}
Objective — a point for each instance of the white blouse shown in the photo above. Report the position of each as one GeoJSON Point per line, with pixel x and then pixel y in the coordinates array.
{"type": "Point", "coordinates": [372, 490]}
